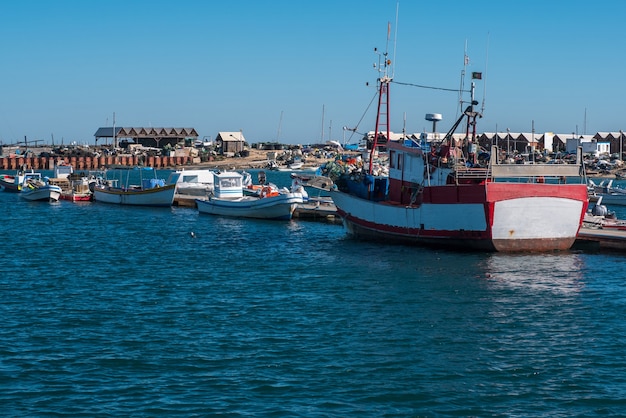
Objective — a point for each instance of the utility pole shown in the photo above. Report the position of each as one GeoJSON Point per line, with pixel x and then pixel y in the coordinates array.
{"type": "Point", "coordinates": [508, 141]}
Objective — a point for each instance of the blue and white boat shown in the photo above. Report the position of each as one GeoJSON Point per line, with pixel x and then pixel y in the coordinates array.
{"type": "Point", "coordinates": [36, 188]}
{"type": "Point", "coordinates": [228, 199]}
{"type": "Point", "coordinates": [151, 192]}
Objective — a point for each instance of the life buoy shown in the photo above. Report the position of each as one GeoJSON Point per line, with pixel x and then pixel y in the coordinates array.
{"type": "Point", "coordinates": [267, 191]}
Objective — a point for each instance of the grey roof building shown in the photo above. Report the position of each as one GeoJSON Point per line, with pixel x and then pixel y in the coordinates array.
{"type": "Point", "coordinates": [147, 136]}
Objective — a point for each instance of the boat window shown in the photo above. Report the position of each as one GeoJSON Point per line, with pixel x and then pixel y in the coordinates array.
{"type": "Point", "coordinates": [400, 159]}
{"type": "Point", "coordinates": [230, 182]}
{"type": "Point", "coordinates": [392, 159]}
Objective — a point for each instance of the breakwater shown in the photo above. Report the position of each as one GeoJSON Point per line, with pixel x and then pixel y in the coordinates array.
{"type": "Point", "coordinates": [91, 163]}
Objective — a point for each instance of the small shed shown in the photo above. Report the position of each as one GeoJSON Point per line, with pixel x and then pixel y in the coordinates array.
{"type": "Point", "coordinates": [230, 143]}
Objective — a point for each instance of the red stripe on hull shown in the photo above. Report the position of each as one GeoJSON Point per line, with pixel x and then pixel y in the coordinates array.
{"type": "Point", "coordinates": [486, 194]}
{"type": "Point", "coordinates": [73, 198]}
{"type": "Point", "coordinates": [470, 193]}
{"type": "Point", "coordinates": [468, 240]}
{"type": "Point", "coordinates": [506, 191]}
{"type": "Point", "coordinates": [493, 192]}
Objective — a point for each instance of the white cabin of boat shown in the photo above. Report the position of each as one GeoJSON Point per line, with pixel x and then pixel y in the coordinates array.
{"type": "Point", "coordinates": [199, 177]}
{"type": "Point", "coordinates": [228, 184]}
{"type": "Point", "coordinates": [62, 171]}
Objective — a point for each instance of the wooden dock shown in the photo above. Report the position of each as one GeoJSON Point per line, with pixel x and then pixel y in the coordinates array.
{"type": "Point", "coordinates": [601, 239]}
{"type": "Point", "coordinates": [317, 210]}
{"type": "Point", "coordinates": [314, 210]}
{"type": "Point", "coordinates": [185, 201]}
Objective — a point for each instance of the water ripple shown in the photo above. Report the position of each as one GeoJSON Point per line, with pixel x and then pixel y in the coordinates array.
{"type": "Point", "coordinates": [113, 311]}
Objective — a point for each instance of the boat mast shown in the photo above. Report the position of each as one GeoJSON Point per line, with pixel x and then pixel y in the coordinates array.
{"type": "Point", "coordinates": [280, 124]}
{"type": "Point", "coordinates": [470, 135]}
{"type": "Point", "coordinates": [383, 100]}
{"type": "Point", "coordinates": [114, 135]}
{"type": "Point", "coordinates": [322, 133]}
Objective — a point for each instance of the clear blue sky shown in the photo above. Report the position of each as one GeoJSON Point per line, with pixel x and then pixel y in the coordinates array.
{"type": "Point", "coordinates": [68, 65]}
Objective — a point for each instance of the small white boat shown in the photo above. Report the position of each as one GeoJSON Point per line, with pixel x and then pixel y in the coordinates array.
{"type": "Point", "coordinates": [151, 192]}
{"type": "Point", "coordinates": [296, 165]}
{"type": "Point", "coordinates": [606, 193]}
{"type": "Point", "coordinates": [192, 182]}
{"type": "Point", "coordinates": [228, 199]}
{"type": "Point", "coordinates": [311, 180]}
{"type": "Point", "coordinates": [38, 189]}
{"type": "Point", "coordinates": [13, 183]}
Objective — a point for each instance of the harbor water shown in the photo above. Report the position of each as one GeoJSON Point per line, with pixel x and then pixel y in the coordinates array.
{"type": "Point", "coordinates": [127, 311]}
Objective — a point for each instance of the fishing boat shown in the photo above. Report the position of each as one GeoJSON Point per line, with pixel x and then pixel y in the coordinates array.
{"type": "Point", "coordinates": [150, 192]}
{"type": "Point", "coordinates": [442, 197]}
{"type": "Point", "coordinates": [39, 189]}
{"type": "Point", "coordinates": [13, 182]}
{"type": "Point", "coordinates": [80, 189]}
{"type": "Point", "coordinates": [228, 199]}
{"type": "Point", "coordinates": [75, 187]}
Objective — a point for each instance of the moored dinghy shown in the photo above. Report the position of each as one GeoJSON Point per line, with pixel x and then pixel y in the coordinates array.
{"type": "Point", "coordinates": [228, 199]}
{"type": "Point", "coordinates": [40, 189]}
{"type": "Point", "coordinates": [151, 192]}
{"type": "Point", "coordinates": [13, 183]}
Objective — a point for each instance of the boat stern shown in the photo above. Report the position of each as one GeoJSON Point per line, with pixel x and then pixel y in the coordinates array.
{"type": "Point", "coordinates": [546, 219]}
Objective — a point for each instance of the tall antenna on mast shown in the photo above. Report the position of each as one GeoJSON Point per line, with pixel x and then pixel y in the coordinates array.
{"type": "Point", "coordinates": [395, 38]}
{"type": "Point", "coordinates": [323, 110]}
{"type": "Point", "coordinates": [280, 124]}
{"type": "Point", "coordinates": [466, 62]}
{"type": "Point", "coordinates": [482, 109]}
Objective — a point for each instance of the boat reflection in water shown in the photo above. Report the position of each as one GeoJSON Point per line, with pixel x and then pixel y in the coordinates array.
{"type": "Point", "coordinates": [537, 273]}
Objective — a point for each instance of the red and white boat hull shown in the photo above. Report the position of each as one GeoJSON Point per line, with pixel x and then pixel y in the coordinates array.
{"type": "Point", "coordinates": [508, 217]}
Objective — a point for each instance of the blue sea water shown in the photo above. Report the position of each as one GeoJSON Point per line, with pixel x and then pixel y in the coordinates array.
{"type": "Point", "coordinates": [120, 311]}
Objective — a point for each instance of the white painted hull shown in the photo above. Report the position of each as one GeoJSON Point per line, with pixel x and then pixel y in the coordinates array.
{"type": "Point", "coordinates": [158, 196]}
{"type": "Point", "coordinates": [542, 218]}
{"type": "Point", "coordinates": [47, 193]}
{"type": "Point", "coordinates": [275, 207]}
{"type": "Point", "coordinates": [533, 223]}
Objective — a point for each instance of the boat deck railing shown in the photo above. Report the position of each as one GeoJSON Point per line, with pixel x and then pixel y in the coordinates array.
{"type": "Point", "coordinates": [496, 170]}
{"type": "Point", "coordinates": [536, 170]}
{"type": "Point", "coordinates": [472, 173]}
